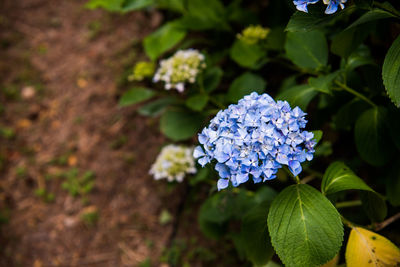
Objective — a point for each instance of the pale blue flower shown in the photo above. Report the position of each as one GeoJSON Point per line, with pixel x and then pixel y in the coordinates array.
{"type": "Point", "coordinates": [253, 139]}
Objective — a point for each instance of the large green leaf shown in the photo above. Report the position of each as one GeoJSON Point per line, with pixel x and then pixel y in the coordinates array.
{"type": "Point", "coordinates": [344, 43]}
{"type": "Point", "coordinates": [372, 138]}
{"type": "Point", "coordinates": [157, 107]}
{"type": "Point", "coordinates": [307, 49]}
{"type": "Point", "coordinates": [247, 55]}
{"type": "Point", "coordinates": [163, 39]}
{"type": "Point", "coordinates": [391, 72]}
{"type": "Point", "coordinates": [304, 226]}
{"type": "Point", "coordinates": [212, 78]}
{"type": "Point", "coordinates": [338, 177]}
{"type": "Point", "coordinates": [299, 95]}
{"type": "Point", "coordinates": [303, 22]}
{"type": "Point", "coordinates": [348, 114]}
{"type": "Point", "coordinates": [180, 124]}
{"type": "Point", "coordinates": [197, 102]}
{"type": "Point", "coordinates": [135, 95]}
{"type": "Point", "coordinates": [244, 85]}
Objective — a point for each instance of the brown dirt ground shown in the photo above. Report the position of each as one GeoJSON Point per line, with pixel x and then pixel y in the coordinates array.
{"type": "Point", "coordinates": [73, 66]}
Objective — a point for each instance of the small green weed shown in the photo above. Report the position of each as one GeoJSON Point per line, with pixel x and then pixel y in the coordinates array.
{"type": "Point", "coordinates": [78, 185]}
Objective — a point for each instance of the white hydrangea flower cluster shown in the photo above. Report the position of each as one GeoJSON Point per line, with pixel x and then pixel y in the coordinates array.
{"type": "Point", "coordinates": [173, 163]}
{"type": "Point", "coordinates": [182, 67]}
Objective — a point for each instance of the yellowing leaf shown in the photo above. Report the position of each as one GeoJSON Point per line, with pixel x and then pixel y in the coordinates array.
{"type": "Point", "coordinates": [332, 263]}
{"type": "Point", "coordinates": [366, 248]}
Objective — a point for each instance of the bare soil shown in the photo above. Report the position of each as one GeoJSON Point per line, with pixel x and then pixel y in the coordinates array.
{"type": "Point", "coordinates": [72, 58]}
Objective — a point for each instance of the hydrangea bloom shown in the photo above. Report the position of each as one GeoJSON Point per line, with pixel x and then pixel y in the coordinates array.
{"type": "Point", "coordinates": [253, 34]}
{"type": "Point", "coordinates": [142, 69]}
{"type": "Point", "coordinates": [182, 67]}
{"type": "Point", "coordinates": [173, 163]}
{"type": "Point", "coordinates": [332, 5]}
{"type": "Point", "coordinates": [255, 138]}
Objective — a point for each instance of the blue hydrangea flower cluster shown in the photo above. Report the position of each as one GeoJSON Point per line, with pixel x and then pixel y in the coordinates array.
{"type": "Point", "coordinates": [254, 139]}
{"type": "Point", "coordinates": [332, 5]}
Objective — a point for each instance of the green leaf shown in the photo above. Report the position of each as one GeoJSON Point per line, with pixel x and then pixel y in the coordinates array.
{"type": "Point", "coordinates": [393, 185]}
{"type": "Point", "coordinates": [197, 102]}
{"type": "Point", "coordinates": [112, 6]}
{"type": "Point", "coordinates": [304, 226]}
{"type": "Point", "coordinates": [130, 5]}
{"type": "Point", "coordinates": [135, 95]}
{"type": "Point", "coordinates": [253, 237]}
{"type": "Point", "coordinates": [201, 15]}
{"type": "Point", "coordinates": [247, 55]}
{"type": "Point", "coordinates": [372, 15]}
{"type": "Point", "coordinates": [374, 206]}
{"type": "Point", "coordinates": [323, 83]}
{"type": "Point", "coordinates": [244, 85]}
{"type": "Point", "coordinates": [157, 107]}
{"type": "Point", "coordinates": [180, 124]}
{"type": "Point", "coordinates": [212, 78]}
{"type": "Point", "coordinates": [344, 43]}
{"type": "Point", "coordinates": [299, 95]}
{"type": "Point", "coordinates": [372, 138]}
{"type": "Point", "coordinates": [303, 22]}
{"type": "Point", "coordinates": [360, 57]}
{"type": "Point", "coordinates": [307, 49]}
{"type": "Point", "coordinates": [338, 177]}
{"type": "Point", "coordinates": [348, 114]}
{"type": "Point", "coordinates": [391, 72]}
{"type": "Point", "coordinates": [163, 39]}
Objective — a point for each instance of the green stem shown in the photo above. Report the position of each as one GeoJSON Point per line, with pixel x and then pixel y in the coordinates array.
{"type": "Point", "coordinates": [347, 222]}
{"type": "Point", "coordinates": [348, 204]}
{"type": "Point", "coordinates": [355, 93]}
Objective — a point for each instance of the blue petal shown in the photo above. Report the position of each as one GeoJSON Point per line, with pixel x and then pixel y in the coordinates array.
{"type": "Point", "coordinates": [198, 152]}
{"type": "Point", "coordinates": [222, 184]}
{"type": "Point", "coordinates": [295, 167]}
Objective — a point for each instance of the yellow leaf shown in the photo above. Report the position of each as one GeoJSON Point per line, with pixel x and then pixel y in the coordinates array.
{"type": "Point", "coordinates": [366, 248]}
